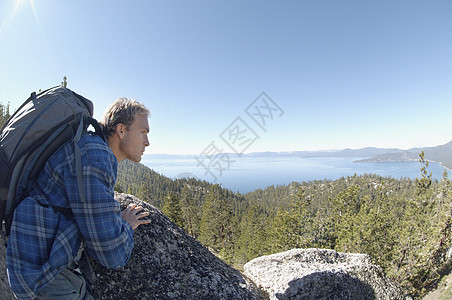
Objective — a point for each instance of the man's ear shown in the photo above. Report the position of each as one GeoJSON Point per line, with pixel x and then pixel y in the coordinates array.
{"type": "Point", "coordinates": [120, 129]}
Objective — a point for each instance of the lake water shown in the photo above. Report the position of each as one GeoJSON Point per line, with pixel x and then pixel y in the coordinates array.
{"type": "Point", "coordinates": [250, 173]}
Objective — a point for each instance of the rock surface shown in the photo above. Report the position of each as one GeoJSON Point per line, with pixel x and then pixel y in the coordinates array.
{"type": "Point", "coordinates": [320, 274]}
{"type": "Point", "coordinates": [166, 263]}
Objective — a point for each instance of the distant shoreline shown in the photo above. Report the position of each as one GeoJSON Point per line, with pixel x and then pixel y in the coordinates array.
{"type": "Point", "coordinates": [441, 164]}
{"type": "Point", "coordinates": [258, 173]}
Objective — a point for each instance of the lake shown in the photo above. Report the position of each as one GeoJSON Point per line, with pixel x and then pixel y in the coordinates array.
{"type": "Point", "coordinates": [245, 174]}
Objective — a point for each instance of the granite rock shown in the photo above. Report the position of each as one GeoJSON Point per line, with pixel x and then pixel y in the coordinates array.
{"type": "Point", "coordinates": [320, 274]}
{"type": "Point", "coordinates": [167, 263]}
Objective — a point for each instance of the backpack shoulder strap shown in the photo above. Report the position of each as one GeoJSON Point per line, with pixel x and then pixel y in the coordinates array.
{"type": "Point", "coordinates": [77, 152]}
{"type": "Point", "coordinates": [78, 162]}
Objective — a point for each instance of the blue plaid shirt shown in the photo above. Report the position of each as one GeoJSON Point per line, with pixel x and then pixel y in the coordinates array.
{"type": "Point", "coordinates": [44, 242]}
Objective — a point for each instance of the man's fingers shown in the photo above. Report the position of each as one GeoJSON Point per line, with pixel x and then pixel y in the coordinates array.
{"type": "Point", "coordinates": [134, 207]}
{"type": "Point", "coordinates": [134, 214]}
{"type": "Point", "coordinates": [138, 209]}
{"type": "Point", "coordinates": [144, 221]}
{"type": "Point", "coordinates": [143, 214]}
{"type": "Point", "coordinates": [131, 206]}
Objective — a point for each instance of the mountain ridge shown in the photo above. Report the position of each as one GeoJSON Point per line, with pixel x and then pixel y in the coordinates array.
{"type": "Point", "coordinates": [367, 151]}
{"type": "Point", "coordinates": [441, 154]}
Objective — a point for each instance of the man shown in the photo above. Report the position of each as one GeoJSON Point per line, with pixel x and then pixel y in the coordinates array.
{"type": "Point", "coordinates": [45, 244]}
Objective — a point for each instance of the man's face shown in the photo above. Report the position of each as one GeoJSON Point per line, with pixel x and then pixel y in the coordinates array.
{"type": "Point", "coordinates": [135, 139]}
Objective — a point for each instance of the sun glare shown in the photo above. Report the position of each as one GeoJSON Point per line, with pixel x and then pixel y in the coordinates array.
{"type": "Point", "coordinates": [19, 5]}
{"type": "Point", "coordinates": [7, 20]}
{"type": "Point", "coordinates": [32, 4]}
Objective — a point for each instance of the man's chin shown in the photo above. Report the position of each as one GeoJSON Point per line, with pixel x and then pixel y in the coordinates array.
{"type": "Point", "coordinates": [135, 159]}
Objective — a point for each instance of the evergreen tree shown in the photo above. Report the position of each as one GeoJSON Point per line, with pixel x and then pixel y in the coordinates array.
{"type": "Point", "coordinates": [217, 223]}
{"type": "Point", "coordinates": [64, 82]}
{"type": "Point", "coordinates": [118, 188]}
{"type": "Point", "coordinates": [253, 235]}
{"type": "Point", "coordinates": [323, 235]}
{"type": "Point", "coordinates": [144, 191]}
{"type": "Point", "coordinates": [130, 190]}
{"type": "Point", "coordinates": [346, 206]}
{"type": "Point", "coordinates": [425, 181]}
{"type": "Point", "coordinates": [280, 237]}
{"type": "Point", "coordinates": [172, 210]}
{"type": "Point", "coordinates": [421, 226]}
{"type": "Point", "coordinates": [294, 229]}
{"type": "Point", "coordinates": [191, 213]}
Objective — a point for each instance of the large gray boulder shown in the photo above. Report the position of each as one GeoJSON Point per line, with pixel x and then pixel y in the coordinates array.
{"type": "Point", "coordinates": [320, 274]}
{"type": "Point", "coordinates": [167, 263]}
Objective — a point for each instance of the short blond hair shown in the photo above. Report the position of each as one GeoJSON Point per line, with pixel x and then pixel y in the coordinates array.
{"type": "Point", "coordinates": [122, 110]}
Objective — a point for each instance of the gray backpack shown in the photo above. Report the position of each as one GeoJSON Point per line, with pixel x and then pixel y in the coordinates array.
{"type": "Point", "coordinates": [43, 123]}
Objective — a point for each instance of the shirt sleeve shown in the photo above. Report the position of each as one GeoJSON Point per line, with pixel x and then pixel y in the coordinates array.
{"type": "Point", "coordinates": [109, 238]}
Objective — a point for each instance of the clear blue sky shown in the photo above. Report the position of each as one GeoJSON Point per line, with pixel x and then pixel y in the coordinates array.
{"type": "Point", "coordinates": [345, 74]}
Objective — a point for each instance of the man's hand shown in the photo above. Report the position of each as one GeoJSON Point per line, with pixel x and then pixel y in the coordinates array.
{"type": "Point", "coordinates": [132, 214]}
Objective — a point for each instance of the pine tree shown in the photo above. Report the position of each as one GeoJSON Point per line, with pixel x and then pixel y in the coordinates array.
{"type": "Point", "coordinates": [294, 228]}
{"type": "Point", "coordinates": [425, 181]}
{"type": "Point", "coordinates": [118, 188]}
{"type": "Point", "coordinates": [190, 211]}
{"type": "Point", "coordinates": [346, 205]}
{"type": "Point", "coordinates": [130, 190]}
{"type": "Point", "coordinates": [420, 226]}
{"type": "Point", "coordinates": [144, 191]}
{"type": "Point", "coordinates": [323, 235]}
{"type": "Point", "coordinates": [64, 82]}
{"type": "Point", "coordinates": [172, 210]}
{"type": "Point", "coordinates": [217, 223]}
{"type": "Point", "coordinates": [252, 242]}
{"type": "Point", "coordinates": [280, 237]}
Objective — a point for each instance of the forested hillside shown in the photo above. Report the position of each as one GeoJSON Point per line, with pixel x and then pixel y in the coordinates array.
{"type": "Point", "coordinates": [404, 225]}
